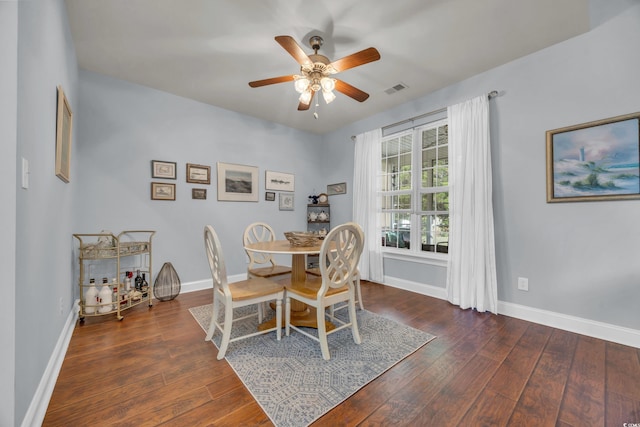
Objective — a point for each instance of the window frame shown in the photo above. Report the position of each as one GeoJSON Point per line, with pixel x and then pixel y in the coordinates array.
{"type": "Point", "coordinates": [417, 191]}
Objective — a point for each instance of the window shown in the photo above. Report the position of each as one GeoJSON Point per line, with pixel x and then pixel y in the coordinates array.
{"type": "Point", "coordinates": [414, 173]}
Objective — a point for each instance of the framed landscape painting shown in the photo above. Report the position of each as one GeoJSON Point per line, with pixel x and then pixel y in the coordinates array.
{"type": "Point", "coordinates": [237, 183]}
{"type": "Point", "coordinates": [593, 161]}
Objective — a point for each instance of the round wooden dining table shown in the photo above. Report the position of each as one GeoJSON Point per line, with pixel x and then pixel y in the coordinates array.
{"type": "Point", "coordinates": [301, 314]}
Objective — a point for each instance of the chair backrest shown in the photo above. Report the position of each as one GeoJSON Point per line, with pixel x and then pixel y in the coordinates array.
{"type": "Point", "coordinates": [216, 260]}
{"type": "Point", "coordinates": [341, 251]}
{"type": "Point", "coordinates": [254, 233]}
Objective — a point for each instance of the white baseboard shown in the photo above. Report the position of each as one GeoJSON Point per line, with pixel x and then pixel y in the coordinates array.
{"type": "Point", "coordinates": [38, 407]}
{"type": "Point", "coordinates": [578, 325]}
{"type": "Point", "coordinates": [591, 328]}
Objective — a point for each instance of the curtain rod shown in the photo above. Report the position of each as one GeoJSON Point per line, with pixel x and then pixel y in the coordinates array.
{"type": "Point", "coordinates": [491, 94]}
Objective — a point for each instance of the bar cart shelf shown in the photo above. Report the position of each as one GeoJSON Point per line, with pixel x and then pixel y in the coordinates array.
{"type": "Point", "coordinates": [108, 257]}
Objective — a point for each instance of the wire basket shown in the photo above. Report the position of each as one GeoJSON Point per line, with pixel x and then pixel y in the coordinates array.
{"type": "Point", "coordinates": [303, 239]}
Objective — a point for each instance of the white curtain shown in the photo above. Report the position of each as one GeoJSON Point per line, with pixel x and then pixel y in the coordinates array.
{"type": "Point", "coordinates": [471, 275]}
{"type": "Point", "coordinates": [365, 202]}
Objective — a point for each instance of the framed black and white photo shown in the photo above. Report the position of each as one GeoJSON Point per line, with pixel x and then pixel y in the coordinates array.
{"type": "Point", "coordinates": [237, 183]}
{"type": "Point", "coordinates": [269, 196]}
{"type": "Point", "coordinates": [199, 193]}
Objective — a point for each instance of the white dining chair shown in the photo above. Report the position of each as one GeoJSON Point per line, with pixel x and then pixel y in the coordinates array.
{"type": "Point", "coordinates": [316, 272]}
{"type": "Point", "coordinates": [339, 256]}
{"type": "Point", "coordinates": [251, 291]}
{"type": "Point", "coordinates": [262, 264]}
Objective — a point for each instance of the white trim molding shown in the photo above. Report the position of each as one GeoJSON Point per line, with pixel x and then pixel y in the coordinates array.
{"type": "Point", "coordinates": [38, 407]}
{"type": "Point", "coordinates": [578, 325]}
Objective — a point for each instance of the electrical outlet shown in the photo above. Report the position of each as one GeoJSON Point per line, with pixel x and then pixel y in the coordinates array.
{"type": "Point", "coordinates": [523, 283]}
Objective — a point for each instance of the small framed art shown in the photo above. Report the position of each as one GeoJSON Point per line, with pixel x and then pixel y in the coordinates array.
{"type": "Point", "coordinates": [340, 188]}
{"type": "Point", "coordinates": [279, 181]}
{"type": "Point", "coordinates": [199, 193]}
{"type": "Point", "coordinates": [163, 191]}
{"type": "Point", "coordinates": [198, 174]}
{"type": "Point", "coordinates": [269, 196]}
{"type": "Point", "coordinates": [286, 201]}
{"type": "Point", "coordinates": [163, 170]}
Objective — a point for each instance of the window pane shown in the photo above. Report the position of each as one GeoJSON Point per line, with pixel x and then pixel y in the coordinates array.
{"type": "Point", "coordinates": [429, 137]}
{"type": "Point", "coordinates": [396, 201]}
{"type": "Point", "coordinates": [435, 233]}
{"type": "Point", "coordinates": [435, 201]}
{"type": "Point", "coordinates": [396, 230]}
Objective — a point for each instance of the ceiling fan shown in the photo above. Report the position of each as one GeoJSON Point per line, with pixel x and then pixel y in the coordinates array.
{"type": "Point", "coordinates": [316, 71]}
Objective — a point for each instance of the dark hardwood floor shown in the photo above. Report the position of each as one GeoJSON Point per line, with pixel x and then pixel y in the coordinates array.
{"type": "Point", "coordinates": [154, 368]}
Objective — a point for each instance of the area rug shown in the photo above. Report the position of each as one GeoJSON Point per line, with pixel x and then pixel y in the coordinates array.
{"type": "Point", "coordinates": [291, 381]}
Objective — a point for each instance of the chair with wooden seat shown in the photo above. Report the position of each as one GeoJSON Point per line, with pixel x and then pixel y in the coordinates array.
{"type": "Point", "coordinates": [251, 291]}
{"type": "Point", "coordinates": [339, 256]}
{"type": "Point", "coordinates": [316, 272]}
{"type": "Point", "coordinates": [262, 264]}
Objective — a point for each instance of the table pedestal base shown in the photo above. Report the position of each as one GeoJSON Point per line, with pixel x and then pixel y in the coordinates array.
{"type": "Point", "coordinates": [305, 318]}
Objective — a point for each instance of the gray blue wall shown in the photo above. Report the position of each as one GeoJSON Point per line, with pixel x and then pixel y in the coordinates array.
{"type": "Point", "coordinates": [580, 258]}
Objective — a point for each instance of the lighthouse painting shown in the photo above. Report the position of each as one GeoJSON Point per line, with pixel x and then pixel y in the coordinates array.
{"type": "Point", "coordinates": [594, 161]}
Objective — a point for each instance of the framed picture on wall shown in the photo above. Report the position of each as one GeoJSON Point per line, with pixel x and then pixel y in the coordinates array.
{"type": "Point", "coordinates": [594, 161]}
{"type": "Point", "coordinates": [237, 183]}
{"type": "Point", "coordinates": [340, 188]}
{"type": "Point", "coordinates": [64, 125]}
{"type": "Point", "coordinates": [163, 170]}
{"type": "Point", "coordinates": [279, 181]}
{"type": "Point", "coordinates": [163, 191]}
{"type": "Point", "coordinates": [286, 201]}
{"type": "Point", "coordinates": [269, 196]}
{"type": "Point", "coordinates": [199, 193]}
{"type": "Point", "coordinates": [198, 174]}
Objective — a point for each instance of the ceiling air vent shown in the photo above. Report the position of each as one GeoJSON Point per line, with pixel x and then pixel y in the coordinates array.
{"type": "Point", "coordinates": [396, 88]}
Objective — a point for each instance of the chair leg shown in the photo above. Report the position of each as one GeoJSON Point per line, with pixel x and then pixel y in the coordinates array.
{"type": "Point", "coordinates": [359, 293]}
{"type": "Point", "coordinates": [214, 317]}
{"type": "Point", "coordinates": [322, 334]}
{"type": "Point", "coordinates": [354, 322]}
{"type": "Point", "coordinates": [287, 316]}
{"type": "Point", "coordinates": [279, 318]}
{"type": "Point", "coordinates": [226, 332]}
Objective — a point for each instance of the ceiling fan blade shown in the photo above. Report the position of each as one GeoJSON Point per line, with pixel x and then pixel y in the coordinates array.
{"type": "Point", "coordinates": [294, 49]}
{"type": "Point", "coordinates": [363, 57]}
{"type": "Point", "coordinates": [273, 80]}
{"type": "Point", "coordinates": [351, 91]}
{"type": "Point", "coordinates": [302, 106]}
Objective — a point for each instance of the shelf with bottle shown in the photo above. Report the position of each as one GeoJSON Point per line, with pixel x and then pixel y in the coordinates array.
{"type": "Point", "coordinates": [95, 258]}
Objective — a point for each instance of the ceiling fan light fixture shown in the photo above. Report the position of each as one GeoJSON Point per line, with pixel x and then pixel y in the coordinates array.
{"type": "Point", "coordinates": [328, 96]}
{"type": "Point", "coordinates": [301, 83]}
{"type": "Point", "coordinates": [328, 84]}
{"type": "Point", "coordinates": [305, 97]}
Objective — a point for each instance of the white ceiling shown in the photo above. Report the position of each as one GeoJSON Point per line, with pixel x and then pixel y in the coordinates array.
{"type": "Point", "coordinates": [208, 50]}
